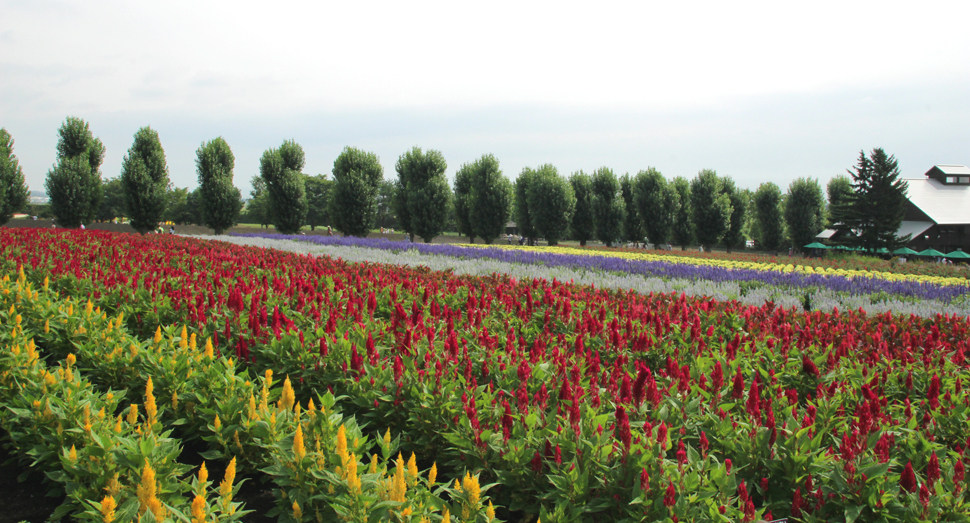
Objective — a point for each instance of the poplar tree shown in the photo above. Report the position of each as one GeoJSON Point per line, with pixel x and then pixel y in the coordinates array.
{"type": "Point", "coordinates": [608, 207]}
{"type": "Point", "coordinates": [655, 201]}
{"type": "Point", "coordinates": [767, 206]}
{"type": "Point", "coordinates": [804, 211]}
{"type": "Point", "coordinates": [581, 228]}
{"type": "Point", "coordinates": [357, 178]}
{"type": "Point", "coordinates": [551, 203]}
{"type": "Point", "coordinates": [632, 223]}
{"type": "Point", "coordinates": [13, 189]}
{"type": "Point", "coordinates": [488, 202]}
{"type": "Point", "coordinates": [711, 208]}
{"type": "Point", "coordinates": [220, 200]}
{"type": "Point", "coordinates": [74, 183]}
{"type": "Point", "coordinates": [422, 195]}
{"type": "Point", "coordinates": [683, 228]}
{"type": "Point", "coordinates": [281, 169]}
{"type": "Point", "coordinates": [733, 236]}
{"type": "Point", "coordinates": [144, 181]}
{"type": "Point", "coordinates": [523, 214]}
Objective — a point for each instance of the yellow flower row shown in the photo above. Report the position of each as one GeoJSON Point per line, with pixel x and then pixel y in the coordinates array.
{"type": "Point", "coordinates": [741, 265]}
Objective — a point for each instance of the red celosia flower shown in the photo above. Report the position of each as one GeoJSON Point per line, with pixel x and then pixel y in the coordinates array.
{"type": "Point", "coordinates": [670, 497]}
{"type": "Point", "coordinates": [796, 503]}
{"type": "Point", "coordinates": [681, 453]}
{"type": "Point", "coordinates": [536, 462]}
{"type": "Point", "coordinates": [644, 480]}
{"type": "Point", "coordinates": [727, 465]}
{"type": "Point", "coordinates": [924, 495]}
{"type": "Point", "coordinates": [958, 471]}
{"type": "Point", "coordinates": [933, 469]}
{"type": "Point", "coordinates": [704, 444]}
{"type": "Point", "coordinates": [623, 427]}
{"type": "Point", "coordinates": [907, 481]}
{"type": "Point", "coordinates": [738, 391]}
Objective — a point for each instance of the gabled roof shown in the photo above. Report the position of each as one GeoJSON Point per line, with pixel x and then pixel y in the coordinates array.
{"type": "Point", "coordinates": [951, 169]}
{"type": "Point", "coordinates": [944, 204]}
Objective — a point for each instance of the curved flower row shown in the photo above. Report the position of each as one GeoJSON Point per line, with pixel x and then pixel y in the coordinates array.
{"type": "Point", "coordinates": [818, 299]}
{"type": "Point", "coordinates": [800, 268]}
{"type": "Point", "coordinates": [676, 269]}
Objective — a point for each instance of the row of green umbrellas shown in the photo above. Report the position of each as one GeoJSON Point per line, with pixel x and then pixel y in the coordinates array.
{"type": "Point", "coordinates": [903, 251]}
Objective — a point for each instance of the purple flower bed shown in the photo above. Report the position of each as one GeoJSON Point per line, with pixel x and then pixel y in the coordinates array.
{"type": "Point", "coordinates": [854, 285]}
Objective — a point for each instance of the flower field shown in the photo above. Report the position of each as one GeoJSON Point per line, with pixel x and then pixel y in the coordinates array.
{"type": "Point", "coordinates": [368, 391]}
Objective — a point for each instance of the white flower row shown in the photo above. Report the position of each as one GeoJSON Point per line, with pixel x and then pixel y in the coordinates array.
{"type": "Point", "coordinates": [824, 300]}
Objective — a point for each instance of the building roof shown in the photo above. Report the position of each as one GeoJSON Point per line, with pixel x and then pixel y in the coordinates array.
{"type": "Point", "coordinates": [914, 229]}
{"type": "Point", "coordinates": [944, 204]}
{"type": "Point", "coordinates": [953, 169]}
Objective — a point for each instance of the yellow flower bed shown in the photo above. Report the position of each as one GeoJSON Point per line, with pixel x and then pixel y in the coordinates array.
{"type": "Point", "coordinates": [730, 264]}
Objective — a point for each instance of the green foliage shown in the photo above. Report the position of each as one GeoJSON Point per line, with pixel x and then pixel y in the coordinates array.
{"type": "Point", "coordinates": [551, 203]}
{"type": "Point", "coordinates": [318, 189]}
{"type": "Point", "coordinates": [463, 191]}
{"type": "Point", "coordinates": [144, 180]}
{"type": "Point", "coordinates": [281, 169]}
{"type": "Point", "coordinates": [523, 215]}
{"type": "Point", "coordinates": [74, 184]}
{"type": "Point", "coordinates": [840, 193]}
{"type": "Point", "coordinates": [357, 177]}
{"type": "Point", "coordinates": [422, 193]}
{"type": "Point", "coordinates": [113, 202]}
{"type": "Point", "coordinates": [767, 206]}
{"type": "Point", "coordinates": [711, 208]}
{"type": "Point", "coordinates": [257, 209]}
{"type": "Point", "coordinates": [682, 230]}
{"type": "Point", "coordinates": [489, 198]}
{"type": "Point", "coordinates": [581, 229]}
{"type": "Point", "coordinates": [733, 237]}
{"type": "Point", "coordinates": [608, 207]}
{"type": "Point", "coordinates": [877, 204]}
{"type": "Point", "coordinates": [804, 211]}
{"type": "Point", "coordinates": [220, 200]}
{"type": "Point", "coordinates": [632, 223]}
{"type": "Point", "coordinates": [386, 217]}
{"type": "Point", "coordinates": [183, 206]}
{"type": "Point", "coordinates": [656, 203]}
{"type": "Point", "coordinates": [14, 194]}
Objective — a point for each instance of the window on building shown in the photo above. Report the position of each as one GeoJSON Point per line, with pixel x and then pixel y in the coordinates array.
{"type": "Point", "coordinates": [951, 179]}
{"type": "Point", "coordinates": [965, 179]}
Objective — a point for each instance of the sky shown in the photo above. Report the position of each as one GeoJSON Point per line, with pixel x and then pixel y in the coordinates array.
{"type": "Point", "coordinates": [759, 91]}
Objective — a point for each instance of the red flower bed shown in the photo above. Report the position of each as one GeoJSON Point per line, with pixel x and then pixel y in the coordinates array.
{"type": "Point", "coordinates": [595, 404]}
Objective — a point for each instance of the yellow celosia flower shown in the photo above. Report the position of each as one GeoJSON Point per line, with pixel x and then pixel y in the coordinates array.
{"type": "Point", "coordinates": [353, 481]}
{"type": "Point", "coordinates": [387, 438]}
{"type": "Point", "coordinates": [470, 485]}
{"type": "Point", "coordinates": [225, 488]}
{"type": "Point", "coordinates": [192, 343]}
{"type": "Point", "coordinates": [342, 444]}
{"type": "Point", "coordinates": [158, 335]}
{"type": "Point", "coordinates": [114, 486]}
{"type": "Point", "coordinates": [184, 338]}
{"type": "Point", "coordinates": [108, 507]}
{"type": "Point", "coordinates": [399, 488]}
{"type": "Point", "coordinates": [412, 467]}
{"type": "Point", "coordinates": [288, 398]}
{"type": "Point", "coordinates": [175, 400]}
{"type": "Point", "coordinates": [432, 474]}
{"type": "Point", "coordinates": [47, 326]}
{"type": "Point", "coordinates": [198, 509]}
{"type": "Point", "coordinates": [71, 359]}
{"type": "Point", "coordinates": [490, 511]}
{"type": "Point", "coordinates": [217, 423]}
{"type": "Point", "coordinates": [151, 410]}
{"type": "Point", "coordinates": [446, 516]}
{"type": "Point", "coordinates": [373, 464]}
{"type": "Point", "coordinates": [133, 414]}
{"type": "Point", "coordinates": [269, 377]}
{"type": "Point", "coordinates": [118, 425]}
{"type": "Point", "coordinates": [297, 512]}
{"type": "Point", "coordinates": [208, 348]}
{"type": "Point", "coordinates": [72, 454]}
{"type": "Point", "coordinates": [298, 449]}
{"type": "Point", "coordinates": [203, 473]}
{"type": "Point", "coordinates": [147, 488]}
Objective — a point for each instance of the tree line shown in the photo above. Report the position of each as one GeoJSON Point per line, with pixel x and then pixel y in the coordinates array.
{"type": "Point", "coordinates": [708, 210]}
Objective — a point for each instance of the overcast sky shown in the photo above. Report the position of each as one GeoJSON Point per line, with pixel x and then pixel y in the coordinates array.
{"type": "Point", "coordinates": [759, 91]}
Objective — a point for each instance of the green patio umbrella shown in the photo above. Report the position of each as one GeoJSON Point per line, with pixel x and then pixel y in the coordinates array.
{"type": "Point", "coordinates": [958, 255]}
{"type": "Point", "coordinates": [905, 251]}
{"type": "Point", "coordinates": [931, 252]}
{"type": "Point", "coordinates": [882, 250]}
{"type": "Point", "coordinates": [816, 245]}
